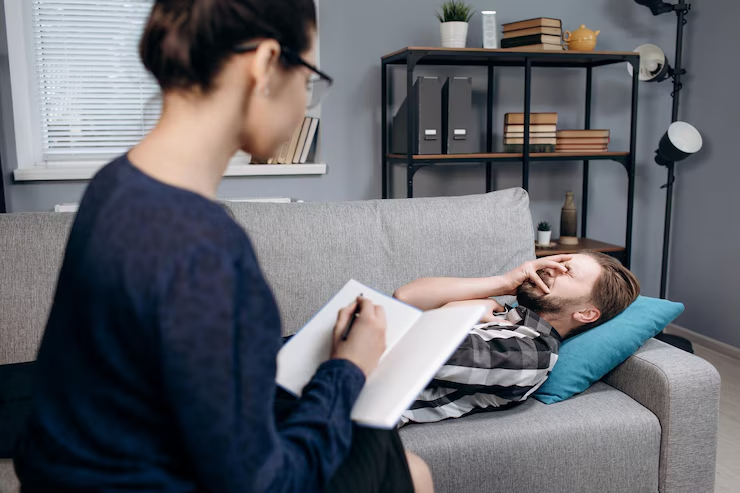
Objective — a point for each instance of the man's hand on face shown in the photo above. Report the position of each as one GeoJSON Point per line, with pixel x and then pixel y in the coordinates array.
{"type": "Point", "coordinates": [528, 272]}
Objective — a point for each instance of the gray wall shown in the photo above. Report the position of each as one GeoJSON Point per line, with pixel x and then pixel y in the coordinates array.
{"type": "Point", "coordinates": [705, 264]}
{"type": "Point", "coordinates": [356, 33]}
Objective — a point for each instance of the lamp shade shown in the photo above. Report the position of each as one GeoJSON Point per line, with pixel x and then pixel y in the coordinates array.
{"type": "Point", "coordinates": [657, 7]}
{"type": "Point", "coordinates": [654, 65]}
{"type": "Point", "coordinates": [679, 142]}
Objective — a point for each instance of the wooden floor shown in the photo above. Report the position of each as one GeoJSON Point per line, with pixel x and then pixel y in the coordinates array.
{"type": "Point", "coordinates": [728, 443]}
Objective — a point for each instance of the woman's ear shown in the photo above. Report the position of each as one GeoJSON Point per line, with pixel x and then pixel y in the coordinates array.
{"type": "Point", "coordinates": [588, 315]}
{"type": "Point", "coordinates": [264, 65]}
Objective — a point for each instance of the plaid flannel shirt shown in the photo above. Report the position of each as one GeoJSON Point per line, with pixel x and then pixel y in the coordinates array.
{"type": "Point", "coordinates": [499, 363]}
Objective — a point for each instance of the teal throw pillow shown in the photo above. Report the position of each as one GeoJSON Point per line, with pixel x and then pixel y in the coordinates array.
{"type": "Point", "coordinates": [586, 358]}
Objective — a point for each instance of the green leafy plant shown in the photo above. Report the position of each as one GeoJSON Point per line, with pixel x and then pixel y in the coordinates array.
{"type": "Point", "coordinates": [455, 11]}
{"type": "Point", "coordinates": [543, 226]}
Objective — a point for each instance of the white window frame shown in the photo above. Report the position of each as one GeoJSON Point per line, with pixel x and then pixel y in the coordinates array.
{"type": "Point", "coordinates": [28, 142]}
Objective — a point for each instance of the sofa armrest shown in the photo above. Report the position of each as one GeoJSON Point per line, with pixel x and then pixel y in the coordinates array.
{"type": "Point", "coordinates": [682, 390]}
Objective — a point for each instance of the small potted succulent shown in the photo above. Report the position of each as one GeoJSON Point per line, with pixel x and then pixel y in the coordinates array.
{"type": "Point", "coordinates": [543, 234]}
{"type": "Point", "coordinates": [454, 19]}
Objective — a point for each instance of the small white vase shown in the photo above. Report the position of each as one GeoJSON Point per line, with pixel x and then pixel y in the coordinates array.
{"type": "Point", "coordinates": [454, 34]}
{"type": "Point", "coordinates": [543, 238]}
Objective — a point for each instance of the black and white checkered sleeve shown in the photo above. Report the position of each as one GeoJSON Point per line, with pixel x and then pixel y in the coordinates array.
{"type": "Point", "coordinates": [493, 367]}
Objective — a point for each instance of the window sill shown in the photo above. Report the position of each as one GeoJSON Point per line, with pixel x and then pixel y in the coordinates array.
{"type": "Point", "coordinates": [83, 173]}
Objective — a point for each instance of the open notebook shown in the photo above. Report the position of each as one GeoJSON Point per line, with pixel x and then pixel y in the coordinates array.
{"type": "Point", "coordinates": [418, 344]}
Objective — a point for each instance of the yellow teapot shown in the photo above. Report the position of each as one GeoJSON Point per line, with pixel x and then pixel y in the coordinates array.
{"type": "Point", "coordinates": [582, 39]}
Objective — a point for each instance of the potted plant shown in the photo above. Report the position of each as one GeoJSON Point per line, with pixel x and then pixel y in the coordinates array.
{"type": "Point", "coordinates": [454, 17]}
{"type": "Point", "coordinates": [543, 234]}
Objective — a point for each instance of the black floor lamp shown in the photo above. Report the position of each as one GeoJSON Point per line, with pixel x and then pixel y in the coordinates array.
{"type": "Point", "coordinates": [680, 140]}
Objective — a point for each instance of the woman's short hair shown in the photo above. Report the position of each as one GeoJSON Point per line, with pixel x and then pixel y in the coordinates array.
{"type": "Point", "coordinates": [186, 42]}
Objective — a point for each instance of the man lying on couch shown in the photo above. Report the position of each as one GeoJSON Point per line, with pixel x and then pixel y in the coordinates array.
{"type": "Point", "coordinates": [510, 355]}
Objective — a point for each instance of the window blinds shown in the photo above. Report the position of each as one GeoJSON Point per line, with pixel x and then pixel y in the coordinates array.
{"type": "Point", "coordinates": [95, 99]}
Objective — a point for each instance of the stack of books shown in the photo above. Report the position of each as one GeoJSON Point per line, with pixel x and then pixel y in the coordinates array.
{"type": "Point", "coordinates": [538, 34]}
{"type": "Point", "coordinates": [542, 132]}
{"type": "Point", "coordinates": [582, 141]}
{"type": "Point", "coordinates": [299, 147]}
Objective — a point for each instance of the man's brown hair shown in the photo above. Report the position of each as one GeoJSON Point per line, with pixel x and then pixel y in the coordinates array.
{"type": "Point", "coordinates": [614, 290]}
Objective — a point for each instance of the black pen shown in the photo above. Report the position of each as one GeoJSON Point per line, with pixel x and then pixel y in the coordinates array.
{"type": "Point", "coordinates": [352, 319]}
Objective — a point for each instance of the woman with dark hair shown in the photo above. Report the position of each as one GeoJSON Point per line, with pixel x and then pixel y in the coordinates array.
{"type": "Point", "coordinates": [157, 367]}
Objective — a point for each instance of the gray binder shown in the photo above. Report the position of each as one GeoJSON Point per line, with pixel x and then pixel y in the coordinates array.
{"type": "Point", "coordinates": [427, 118]}
{"type": "Point", "coordinates": [457, 116]}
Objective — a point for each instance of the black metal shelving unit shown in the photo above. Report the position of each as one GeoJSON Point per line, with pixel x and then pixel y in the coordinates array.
{"type": "Point", "coordinates": [412, 57]}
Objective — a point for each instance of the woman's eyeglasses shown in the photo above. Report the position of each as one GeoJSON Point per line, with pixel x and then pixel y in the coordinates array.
{"type": "Point", "coordinates": [317, 85]}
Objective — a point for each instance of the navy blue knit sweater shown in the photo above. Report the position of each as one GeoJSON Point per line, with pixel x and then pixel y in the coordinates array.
{"type": "Point", "coordinates": [157, 367]}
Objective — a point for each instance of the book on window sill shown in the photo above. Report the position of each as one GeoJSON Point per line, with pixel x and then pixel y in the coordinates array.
{"type": "Point", "coordinates": [301, 147]}
{"type": "Point", "coordinates": [418, 344]}
{"type": "Point", "coordinates": [309, 147]}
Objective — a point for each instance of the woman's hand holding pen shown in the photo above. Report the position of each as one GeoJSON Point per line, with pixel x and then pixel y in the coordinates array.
{"type": "Point", "coordinates": [365, 342]}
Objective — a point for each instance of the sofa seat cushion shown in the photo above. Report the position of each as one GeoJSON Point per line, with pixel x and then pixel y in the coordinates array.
{"type": "Point", "coordinates": [600, 440]}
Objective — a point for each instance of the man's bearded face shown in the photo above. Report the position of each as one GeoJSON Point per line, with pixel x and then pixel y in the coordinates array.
{"type": "Point", "coordinates": [569, 290]}
{"type": "Point", "coordinates": [530, 296]}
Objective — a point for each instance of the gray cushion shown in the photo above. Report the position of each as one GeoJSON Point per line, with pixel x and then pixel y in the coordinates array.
{"type": "Point", "coordinates": [31, 250]}
{"type": "Point", "coordinates": [309, 250]}
{"type": "Point", "coordinates": [598, 441]}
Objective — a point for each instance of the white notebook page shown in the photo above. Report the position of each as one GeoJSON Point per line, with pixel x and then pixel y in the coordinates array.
{"type": "Point", "coordinates": [299, 359]}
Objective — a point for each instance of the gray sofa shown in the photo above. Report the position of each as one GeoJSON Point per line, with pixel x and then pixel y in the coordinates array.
{"type": "Point", "coordinates": [650, 425]}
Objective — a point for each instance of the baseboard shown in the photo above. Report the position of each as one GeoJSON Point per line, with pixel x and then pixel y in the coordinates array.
{"type": "Point", "coordinates": [703, 340]}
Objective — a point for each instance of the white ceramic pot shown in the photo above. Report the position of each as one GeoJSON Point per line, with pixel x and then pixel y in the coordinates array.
{"type": "Point", "coordinates": [543, 238]}
{"type": "Point", "coordinates": [454, 34]}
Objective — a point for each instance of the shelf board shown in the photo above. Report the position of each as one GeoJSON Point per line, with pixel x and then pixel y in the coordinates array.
{"type": "Point", "coordinates": [510, 157]}
{"type": "Point", "coordinates": [275, 169]}
{"type": "Point", "coordinates": [82, 173]}
{"type": "Point", "coordinates": [583, 244]}
{"type": "Point", "coordinates": [514, 57]}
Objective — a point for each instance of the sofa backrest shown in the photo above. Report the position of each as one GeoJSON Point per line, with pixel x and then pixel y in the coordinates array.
{"type": "Point", "coordinates": [31, 250]}
{"type": "Point", "coordinates": [309, 250]}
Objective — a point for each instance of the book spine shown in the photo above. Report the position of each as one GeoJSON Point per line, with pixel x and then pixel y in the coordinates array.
{"type": "Point", "coordinates": [529, 23]}
{"type": "Point", "coordinates": [540, 135]}
{"type": "Point", "coordinates": [310, 140]}
{"type": "Point", "coordinates": [552, 31]}
{"type": "Point", "coordinates": [534, 119]}
{"type": "Point", "coordinates": [533, 140]}
{"type": "Point", "coordinates": [296, 158]}
{"type": "Point", "coordinates": [534, 39]}
{"type": "Point", "coordinates": [583, 134]}
{"type": "Point", "coordinates": [518, 148]}
{"type": "Point", "coordinates": [537, 47]}
{"type": "Point", "coordinates": [512, 128]}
